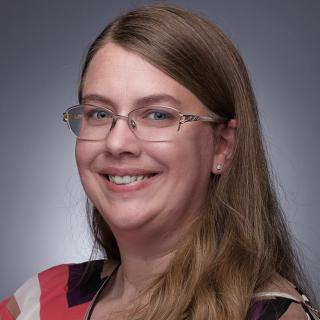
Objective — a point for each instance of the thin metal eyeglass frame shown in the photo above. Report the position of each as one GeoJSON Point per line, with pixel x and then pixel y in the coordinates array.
{"type": "Point", "coordinates": [183, 118]}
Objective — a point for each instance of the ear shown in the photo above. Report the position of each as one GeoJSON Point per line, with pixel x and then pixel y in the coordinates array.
{"type": "Point", "coordinates": [225, 137]}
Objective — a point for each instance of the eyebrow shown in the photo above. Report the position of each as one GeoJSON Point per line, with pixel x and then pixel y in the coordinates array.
{"type": "Point", "coordinates": [140, 102]}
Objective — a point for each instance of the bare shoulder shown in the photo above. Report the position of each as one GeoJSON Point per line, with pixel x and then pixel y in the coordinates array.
{"type": "Point", "coordinates": [279, 285]}
{"type": "Point", "coordinates": [294, 312]}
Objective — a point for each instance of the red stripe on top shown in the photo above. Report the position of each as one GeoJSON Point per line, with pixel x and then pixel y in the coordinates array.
{"type": "Point", "coordinates": [53, 298]}
{"type": "Point", "coordinates": [4, 312]}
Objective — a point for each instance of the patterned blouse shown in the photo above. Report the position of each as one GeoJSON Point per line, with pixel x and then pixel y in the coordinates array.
{"type": "Point", "coordinates": [62, 293]}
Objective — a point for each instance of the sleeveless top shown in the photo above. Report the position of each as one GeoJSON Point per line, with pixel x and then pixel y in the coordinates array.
{"type": "Point", "coordinates": [63, 293]}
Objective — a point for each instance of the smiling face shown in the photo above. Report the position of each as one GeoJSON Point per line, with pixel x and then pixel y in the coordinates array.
{"type": "Point", "coordinates": [170, 178]}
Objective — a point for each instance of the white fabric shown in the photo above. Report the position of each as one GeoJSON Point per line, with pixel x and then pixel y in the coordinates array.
{"type": "Point", "coordinates": [28, 299]}
{"type": "Point", "coordinates": [276, 294]}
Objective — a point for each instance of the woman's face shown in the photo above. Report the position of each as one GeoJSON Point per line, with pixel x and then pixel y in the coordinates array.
{"type": "Point", "coordinates": [176, 172]}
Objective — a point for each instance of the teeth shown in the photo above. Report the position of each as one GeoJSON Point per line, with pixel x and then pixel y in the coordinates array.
{"type": "Point", "coordinates": [125, 179]}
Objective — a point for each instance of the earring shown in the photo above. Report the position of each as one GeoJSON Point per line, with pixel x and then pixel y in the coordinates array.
{"type": "Point", "coordinates": [219, 166]}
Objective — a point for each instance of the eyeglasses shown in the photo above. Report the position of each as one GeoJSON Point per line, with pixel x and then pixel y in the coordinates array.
{"type": "Point", "coordinates": [152, 123]}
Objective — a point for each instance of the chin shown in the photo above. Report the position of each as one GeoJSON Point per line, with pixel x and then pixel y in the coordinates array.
{"type": "Point", "coordinates": [127, 219]}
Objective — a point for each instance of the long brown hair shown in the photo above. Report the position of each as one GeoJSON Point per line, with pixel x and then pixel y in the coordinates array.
{"type": "Point", "coordinates": [241, 238]}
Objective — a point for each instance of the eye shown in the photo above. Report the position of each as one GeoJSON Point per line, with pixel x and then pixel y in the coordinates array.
{"type": "Point", "coordinates": [100, 114]}
{"type": "Point", "coordinates": [158, 115]}
{"type": "Point", "coordinates": [155, 116]}
{"type": "Point", "coordinates": [97, 114]}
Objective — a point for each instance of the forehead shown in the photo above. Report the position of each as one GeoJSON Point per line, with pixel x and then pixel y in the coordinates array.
{"type": "Point", "coordinates": [123, 76]}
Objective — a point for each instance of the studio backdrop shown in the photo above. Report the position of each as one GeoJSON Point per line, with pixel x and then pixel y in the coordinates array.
{"type": "Point", "coordinates": [42, 46]}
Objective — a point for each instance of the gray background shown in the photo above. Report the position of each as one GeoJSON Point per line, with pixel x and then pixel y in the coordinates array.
{"type": "Point", "coordinates": [42, 48]}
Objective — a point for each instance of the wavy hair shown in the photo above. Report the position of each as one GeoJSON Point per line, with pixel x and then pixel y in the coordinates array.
{"type": "Point", "coordinates": [241, 238]}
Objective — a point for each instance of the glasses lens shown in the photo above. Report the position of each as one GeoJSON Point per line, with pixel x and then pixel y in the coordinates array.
{"type": "Point", "coordinates": [155, 123]}
{"type": "Point", "coordinates": [89, 122]}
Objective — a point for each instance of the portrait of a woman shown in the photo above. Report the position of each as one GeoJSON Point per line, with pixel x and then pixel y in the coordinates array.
{"type": "Point", "coordinates": [180, 199]}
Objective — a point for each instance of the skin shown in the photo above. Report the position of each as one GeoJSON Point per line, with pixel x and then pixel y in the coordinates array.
{"type": "Point", "coordinates": [279, 284]}
{"type": "Point", "coordinates": [148, 221]}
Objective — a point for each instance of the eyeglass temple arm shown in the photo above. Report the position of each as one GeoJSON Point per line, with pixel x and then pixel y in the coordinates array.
{"type": "Point", "coordinates": [190, 117]}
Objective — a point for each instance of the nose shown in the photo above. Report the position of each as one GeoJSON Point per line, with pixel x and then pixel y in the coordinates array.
{"type": "Point", "coordinates": [121, 140]}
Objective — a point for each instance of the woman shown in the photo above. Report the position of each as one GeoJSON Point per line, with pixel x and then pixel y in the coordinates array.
{"type": "Point", "coordinates": [170, 155]}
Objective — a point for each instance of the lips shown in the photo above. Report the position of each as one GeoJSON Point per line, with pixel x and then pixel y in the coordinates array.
{"type": "Point", "coordinates": [128, 179]}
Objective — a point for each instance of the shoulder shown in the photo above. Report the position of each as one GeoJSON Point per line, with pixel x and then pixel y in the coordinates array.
{"type": "Point", "coordinates": [26, 299]}
{"type": "Point", "coordinates": [277, 308]}
{"type": "Point", "coordinates": [280, 300]}
{"type": "Point", "coordinates": [56, 290]}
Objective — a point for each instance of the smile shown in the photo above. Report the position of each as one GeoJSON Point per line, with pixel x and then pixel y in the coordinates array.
{"type": "Point", "coordinates": [126, 179]}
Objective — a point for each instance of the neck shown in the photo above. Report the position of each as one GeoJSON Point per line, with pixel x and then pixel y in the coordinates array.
{"type": "Point", "coordinates": [143, 258]}
{"type": "Point", "coordinates": [137, 273]}
{"type": "Point", "coordinates": [145, 253]}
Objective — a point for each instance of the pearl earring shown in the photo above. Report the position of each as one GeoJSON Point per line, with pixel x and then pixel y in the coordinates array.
{"type": "Point", "coordinates": [219, 166]}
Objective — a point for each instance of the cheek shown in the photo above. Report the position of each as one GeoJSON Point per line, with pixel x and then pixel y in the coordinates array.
{"type": "Point", "coordinates": [189, 156]}
{"type": "Point", "coordinates": [84, 154]}
{"type": "Point", "coordinates": [79, 154]}
{"type": "Point", "coordinates": [198, 148]}
{"type": "Point", "coordinates": [200, 158]}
